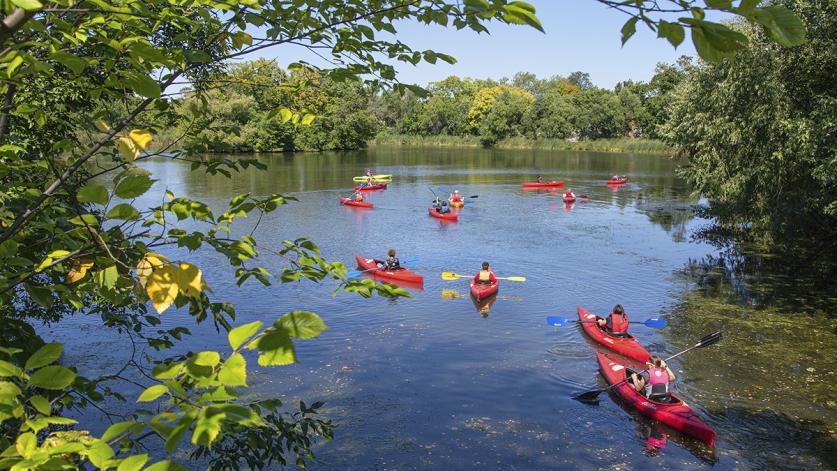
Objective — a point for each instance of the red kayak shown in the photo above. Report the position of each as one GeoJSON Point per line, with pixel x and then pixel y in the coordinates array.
{"type": "Point", "coordinates": [568, 199]}
{"type": "Point", "coordinates": [624, 344]}
{"type": "Point", "coordinates": [675, 413]}
{"type": "Point", "coordinates": [379, 186]}
{"type": "Point", "coordinates": [618, 182]}
{"type": "Point", "coordinates": [359, 204]}
{"type": "Point", "coordinates": [403, 274]}
{"type": "Point", "coordinates": [442, 216]}
{"type": "Point", "coordinates": [536, 185]}
{"type": "Point", "coordinates": [482, 291]}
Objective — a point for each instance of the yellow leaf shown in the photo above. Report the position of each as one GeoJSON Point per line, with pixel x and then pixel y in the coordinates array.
{"type": "Point", "coordinates": [148, 264]}
{"type": "Point", "coordinates": [161, 287]}
{"type": "Point", "coordinates": [190, 280]}
{"type": "Point", "coordinates": [128, 149]}
{"type": "Point", "coordinates": [141, 138]}
{"type": "Point", "coordinates": [101, 125]}
{"type": "Point", "coordinates": [78, 270]}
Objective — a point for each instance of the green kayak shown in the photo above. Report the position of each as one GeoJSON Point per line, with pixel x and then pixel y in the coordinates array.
{"type": "Point", "coordinates": [375, 178]}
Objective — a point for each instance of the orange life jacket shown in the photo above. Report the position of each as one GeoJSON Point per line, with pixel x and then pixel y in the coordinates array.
{"type": "Point", "coordinates": [617, 322]}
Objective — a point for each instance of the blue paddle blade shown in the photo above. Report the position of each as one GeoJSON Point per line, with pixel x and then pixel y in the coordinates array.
{"type": "Point", "coordinates": [353, 274]}
{"type": "Point", "coordinates": [655, 323]}
{"type": "Point", "coordinates": [557, 321]}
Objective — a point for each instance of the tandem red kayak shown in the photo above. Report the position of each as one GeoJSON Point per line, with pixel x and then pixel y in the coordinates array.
{"type": "Point", "coordinates": [624, 344]}
{"type": "Point", "coordinates": [675, 413]}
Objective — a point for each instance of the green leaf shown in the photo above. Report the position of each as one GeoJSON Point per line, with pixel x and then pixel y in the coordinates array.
{"type": "Point", "coordinates": [124, 212]}
{"type": "Point", "coordinates": [285, 114]}
{"type": "Point", "coordinates": [781, 25]}
{"type": "Point", "coordinates": [307, 119]}
{"type": "Point", "coordinates": [132, 463]}
{"type": "Point", "coordinates": [629, 28]}
{"type": "Point", "coordinates": [40, 295]}
{"type": "Point", "coordinates": [45, 355]}
{"type": "Point", "coordinates": [85, 219]}
{"type": "Point", "coordinates": [206, 359]}
{"type": "Point", "coordinates": [234, 371]}
{"type": "Point", "coordinates": [9, 392]}
{"type": "Point", "coordinates": [41, 404]}
{"type": "Point", "coordinates": [167, 370]}
{"type": "Point", "coordinates": [153, 392]}
{"type": "Point", "coordinates": [92, 194]}
{"type": "Point", "coordinates": [241, 334]}
{"type": "Point", "coordinates": [8, 369]}
{"type": "Point", "coordinates": [53, 377]}
{"type": "Point", "coordinates": [74, 63]}
{"type": "Point", "coordinates": [133, 185]}
{"type": "Point", "coordinates": [142, 84]}
{"type": "Point", "coordinates": [100, 453]}
{"type": "Point", "coordinates": [26, 444]}
{"type": "Point", "coordinates": [521, 13]}
{"type": "Point", "coordinates": [673, 32]}
{"type": "Point", "coordinates": [117, 429]}
{"type": "Point", "coordinates": [106, 277]}
{"type": "Point", "coordinates": [277, 349]}
{"type": "Point", "coordinates": [207, 426]}
{"type": "Point", "coordinates": [301, 324]}
{"type": "Point", "coordinates": [28, 5]}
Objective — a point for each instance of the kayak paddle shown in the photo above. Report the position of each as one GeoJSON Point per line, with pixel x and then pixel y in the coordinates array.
{"type": "Point", "coordinates": [356, 273]}
{"type": "Point", "coordinates": [450, 276]}
{"type": "Point", "coordinates": [590, 396]}
{"type": "Point", "coordinates": [558, 321]}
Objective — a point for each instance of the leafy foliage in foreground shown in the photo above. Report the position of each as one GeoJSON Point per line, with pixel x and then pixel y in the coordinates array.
{"type": "Point", "coordinates": [73, 242]}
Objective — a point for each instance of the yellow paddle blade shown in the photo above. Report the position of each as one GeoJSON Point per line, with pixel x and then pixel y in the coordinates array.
{"type": "Point", "coordinates": [451, 294]}
{"type": "Point", "coordinates": [449, 275]}
{"type": "Point", "coordinates": [512, 278]}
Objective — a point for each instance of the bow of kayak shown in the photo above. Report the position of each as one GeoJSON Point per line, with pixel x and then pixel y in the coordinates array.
{"type": "Point", "coordinates": [482, 291]}
{"type": "Point", "coordinates": [676, 413]}
{"type": "Point", "coordinates": [359, 204]}
{"type": "Point", "coordinates": [568, 199]}
{"type": "Point", "coordinates": [624, 345]}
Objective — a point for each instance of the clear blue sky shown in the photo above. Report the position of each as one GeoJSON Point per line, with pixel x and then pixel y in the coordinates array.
{"type": "Point", "coordinates": [580, 35]}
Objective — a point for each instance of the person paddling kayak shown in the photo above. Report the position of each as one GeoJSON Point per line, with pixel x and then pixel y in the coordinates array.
{"type": "Point", "coordinates": [455, 197]}
{"type": "Point", "coordinates": [616, 322]}
{"type": "Point", "coordinates": [654, 383]}
{"type": "Point", "coordinates": [391, 262]}
{"type": "Point", "coordinates": [358, 196]}
{"type": "Point", "coordinates": [485, 276]}
{"type": "Point", "coordinates": [569, 194]}
{"type": "Point", "coordinates": [539, 179]}
{"type": "Point", "coordinates": [616, 177]}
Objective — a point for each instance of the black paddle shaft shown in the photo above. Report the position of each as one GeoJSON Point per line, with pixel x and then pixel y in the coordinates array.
{"type": "Point", "coordinates": [704, 342]}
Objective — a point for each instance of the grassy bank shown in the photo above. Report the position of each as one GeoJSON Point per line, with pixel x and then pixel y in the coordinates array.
{"type": "Point", "coordinates": [639, 146]}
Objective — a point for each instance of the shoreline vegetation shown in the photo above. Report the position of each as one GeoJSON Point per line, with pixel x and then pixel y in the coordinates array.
{"type": "Point", "coordinates": [613, 145]}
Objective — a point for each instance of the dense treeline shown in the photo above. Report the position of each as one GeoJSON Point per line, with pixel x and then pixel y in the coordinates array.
{"type": "Point", "coordinates": [760, 136]}
{"type": "Point", "coordinates": [243, 114]}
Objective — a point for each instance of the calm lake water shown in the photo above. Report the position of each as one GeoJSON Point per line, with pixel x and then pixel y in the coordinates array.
{"type": "Point", "coordinates": [431, 383]}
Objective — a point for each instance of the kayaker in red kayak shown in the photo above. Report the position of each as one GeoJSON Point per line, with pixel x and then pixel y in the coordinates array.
{"type": "Point", "coordinates": [441, 206]}
{"type": "Point", "coordinates": [616, 322]}
{"type": "Point", "coordinates": [392, 262]}
{"type": "Point", "coordinates": [616, 178]}
{"type": "Point", "coordinates": [485, 276]}
{"type": "Point", "coordinates": [539, 179]}
{"type": "Point", "coordinates": [654, 383]}
{"type": "Point", "coordinates": [569, 193]}
{"type": "Point", "coordinates": [358, 196]}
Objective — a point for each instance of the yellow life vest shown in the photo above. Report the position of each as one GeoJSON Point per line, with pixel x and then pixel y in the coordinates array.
{"type": "Point", "coordinates": [485, 275]}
